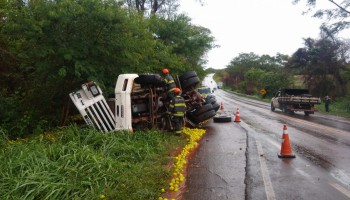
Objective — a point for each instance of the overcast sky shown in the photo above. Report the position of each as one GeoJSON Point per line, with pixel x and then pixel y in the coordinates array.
{"type": "Point", "coordinates": [258, 26]}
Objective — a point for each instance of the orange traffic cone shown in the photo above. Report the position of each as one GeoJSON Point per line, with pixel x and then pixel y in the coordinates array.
{"type": "Point", "coordinates": [237, 118]}
{"type": "Point", "coordinates": [222, 106]}
{"type": "Point", "coordinates": [286, 147]}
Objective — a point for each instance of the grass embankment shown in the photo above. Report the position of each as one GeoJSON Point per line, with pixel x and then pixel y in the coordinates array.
{"type": "Point", "coordinates": [75, 163]}
{"type": "Point", "coordinates": [340, 107]}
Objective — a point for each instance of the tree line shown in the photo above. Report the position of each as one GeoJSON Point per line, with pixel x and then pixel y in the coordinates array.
{"type": "Point", "coordinates": [322, 65]}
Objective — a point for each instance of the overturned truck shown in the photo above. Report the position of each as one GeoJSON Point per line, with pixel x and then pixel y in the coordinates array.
{"type": "Point", "coordinates": [140, 102]}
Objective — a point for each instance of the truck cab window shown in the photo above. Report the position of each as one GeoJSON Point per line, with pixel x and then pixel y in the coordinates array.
{"type": "Point", "coordinates": [125, 84]}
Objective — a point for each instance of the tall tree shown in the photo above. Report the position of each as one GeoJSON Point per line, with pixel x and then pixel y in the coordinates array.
{"type": "Point", "coordinates": [338, 15]}
{"type": "Point", "coordinates": [239, 68]}
{"type": "Point", "coordinates": [188, 42]}
{"type": "Point", "coordinates": [151, 7]}
{"type": "Point", "coordinates": [163, 8]}
{"type": "Point", "coordinates": [321, 64]}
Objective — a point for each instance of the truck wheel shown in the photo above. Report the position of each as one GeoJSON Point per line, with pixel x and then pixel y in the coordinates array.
{"type": "Point", "coordinates": [145, 79]}
{"type": "Point", "coordinates": [213, 102]}
{"type": "Point", "coordinates": [187, 75]}
{"type": "Point", "coordinates": [216, 106]}
{"type": "Point", "coordinates": [222, 118]}
{"type": "Point", "coordinates": [210, 100]}
{"type": "Point", "coordinates": [272, 107]}
{"type": "Point", "coordinates": [203, 109]}
{"type": "Point", "coordinates": [191, 82]}
{"type": "Point", "coordinates": [204, 116]}
{"type": "Point", "coordinates": [306, 113]}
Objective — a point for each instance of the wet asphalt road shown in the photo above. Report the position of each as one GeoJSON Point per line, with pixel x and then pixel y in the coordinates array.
{"type": "Point", "coordinates": [238, 160]}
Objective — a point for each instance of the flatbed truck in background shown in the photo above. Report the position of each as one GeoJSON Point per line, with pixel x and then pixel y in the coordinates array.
{"type": "Point", "coordinates": [295, 100]}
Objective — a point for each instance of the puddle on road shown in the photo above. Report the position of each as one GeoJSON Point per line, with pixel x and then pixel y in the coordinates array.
{"type": "Point", "coordinates": [315, 158]}
{"type": "Point", "coordinates": [323, 162]}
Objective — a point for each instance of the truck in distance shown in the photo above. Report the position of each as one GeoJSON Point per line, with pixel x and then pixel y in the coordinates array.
{"type": "Point", "coordinates": [294, 100]}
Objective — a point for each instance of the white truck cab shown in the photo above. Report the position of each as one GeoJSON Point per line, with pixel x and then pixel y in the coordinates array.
{"type": "Point", "coordinates": [123, 90]}
{"type": "Point", "coordinates": [93, 107]}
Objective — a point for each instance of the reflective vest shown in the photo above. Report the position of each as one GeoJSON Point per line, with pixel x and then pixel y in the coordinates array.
{"type": "Point", "coordinates": [169, 83]}
{"type": "Point", "coordinates": [178, 106]}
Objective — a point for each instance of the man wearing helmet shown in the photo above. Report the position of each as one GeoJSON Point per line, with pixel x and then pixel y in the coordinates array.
{"type": "Point", "coordinates": [169, 83]}
{"type": "Point", "coordinates": [177, 109]}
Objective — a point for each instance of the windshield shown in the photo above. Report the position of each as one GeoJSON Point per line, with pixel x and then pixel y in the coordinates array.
{"type": "Point", "coordinates": [204, 90]}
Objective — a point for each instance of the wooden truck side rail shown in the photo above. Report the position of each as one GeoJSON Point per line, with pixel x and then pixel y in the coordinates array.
{"type": "Point", "coordinates": [291, 100]}
{"type": "Point", "coordinates": [299, 99]}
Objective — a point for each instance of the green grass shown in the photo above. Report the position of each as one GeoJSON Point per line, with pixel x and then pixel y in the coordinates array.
{"type": "Point", "coordinates": [75, 163]}
{"type": "Point", "coordinates": [339, 107]}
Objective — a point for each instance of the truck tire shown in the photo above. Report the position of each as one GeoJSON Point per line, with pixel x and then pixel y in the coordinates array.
{"type": "Point", "coordinates": [210, 100]}
{"type": "Point", "coordinates": [146, 79]}
{"type": "Point", "coordinates": [204, 116]}
{"type": "Point", "coordinates": [216, 106]}
{"type": "Point", "coordinates": [191, 82]}
{"type": "Point", "coordinates": [272, 107]}
{"type": "Point", "coordinates": [222, 118]}
{"type": "Point", "coordinates": [187, 75]}
{"type": "Point", "coordinates": [306, 113]}
{"type": "Point", "coordinates": [202, 109]}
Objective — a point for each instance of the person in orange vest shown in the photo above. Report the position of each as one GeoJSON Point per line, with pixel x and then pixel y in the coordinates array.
{"type": "Point", "coordinates": [169, 83]}
{"type": "Point", "coordinates": [177, 110]}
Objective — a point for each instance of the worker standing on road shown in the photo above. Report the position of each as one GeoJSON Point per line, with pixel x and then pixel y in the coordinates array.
{"type": "Point", "coordinates": [177, 109]}
{"type": "Point", "coordinates": [327, 101]}
{"type": "Point", "coordinates": [169, 83]}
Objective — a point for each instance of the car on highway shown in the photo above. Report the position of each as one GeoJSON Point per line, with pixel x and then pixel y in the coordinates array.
{"type": "Point", "coordinates": [205, 91]}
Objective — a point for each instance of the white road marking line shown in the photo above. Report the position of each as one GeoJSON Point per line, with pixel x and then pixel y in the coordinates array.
{"type": "Point", "coordinates": [275, 143]}
{"type": "Point", "coordinates": [270, 193]}
{"type": "Point", "coordinates": [267, 181]}
{"type": "Point", "coordinates": [341, 189]}
{"type": "Point", "coordinates": [340, 176]}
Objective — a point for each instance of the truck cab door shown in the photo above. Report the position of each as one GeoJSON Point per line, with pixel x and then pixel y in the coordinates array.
{"type": "Point", "coordinates": [123, 89]}
{"type": "Point", "coordinates": [275, 100]}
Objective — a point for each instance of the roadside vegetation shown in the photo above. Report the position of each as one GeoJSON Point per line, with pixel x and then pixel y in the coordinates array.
{"type": "Point", "coordinates": [74, 163]}
{"type": "Point", "coordinates": [339, 107]}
